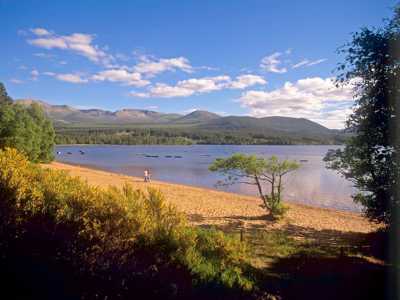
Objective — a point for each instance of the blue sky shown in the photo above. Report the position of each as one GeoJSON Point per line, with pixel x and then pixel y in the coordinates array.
{"type": "Point", "coordinates": [257, 58]}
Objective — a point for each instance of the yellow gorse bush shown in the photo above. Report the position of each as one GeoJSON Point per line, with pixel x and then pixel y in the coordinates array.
{"type": "Point", "coordinates": [110, 226]}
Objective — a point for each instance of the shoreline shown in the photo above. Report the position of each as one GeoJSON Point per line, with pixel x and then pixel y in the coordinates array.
{"type": "Point", "coordinates": [294, 202]}
{"type": "Point", "coordinates": [194, 144]}
{"type": "Point", "coordinates": [207, 207]}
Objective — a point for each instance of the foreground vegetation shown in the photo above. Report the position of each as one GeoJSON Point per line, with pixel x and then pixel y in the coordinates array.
{"type": "Point", "coordinates": [106, 244]}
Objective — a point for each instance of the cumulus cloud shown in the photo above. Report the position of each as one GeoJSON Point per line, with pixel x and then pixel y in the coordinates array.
{"type": "Point", "coordinates": [192, 86]}
{"type": "Point", "coordinates": [244, 81]}
{"type": "Point", "coordinates": [185, 88]}
{"type": "Point", "coordinates": [122, 76]}
{"type": "Point", "coordinates": [78, 43]}
{"type": "Point", "coordinates": [271, 63]}
{"type": "Point", "coordinates": [72, 78]}
{"type": "Point", "coordinates": [153, 67]}
{"type": "Point", "coordinates": [40, 31]}
{"type": "Point", "coordinates": [315, 98]}
{"type": "Point", "coordinates": [68, 77]}
{"type": "Point", "coordinates": [308, 63]}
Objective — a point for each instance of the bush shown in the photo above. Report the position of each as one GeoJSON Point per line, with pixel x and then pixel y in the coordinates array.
{"type": "Point", "coordinates": [113, 243]}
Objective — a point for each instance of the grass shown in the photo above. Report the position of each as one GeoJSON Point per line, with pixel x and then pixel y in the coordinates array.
{"type": "Point", "coordinates": [289, 267]}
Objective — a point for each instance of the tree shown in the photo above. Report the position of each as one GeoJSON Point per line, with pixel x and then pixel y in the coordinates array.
{"type": "Point", "coordinates": [26, 129]}
{"type": "Point", "coordinates": [4, 98]}
{"type": "Point", "coordinates": [370, 158]}
{"type": "Point", "coordinates": [253, 170]}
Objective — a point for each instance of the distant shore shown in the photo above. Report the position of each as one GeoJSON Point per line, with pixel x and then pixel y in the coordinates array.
{"type": "Point", "coordinates": [210, 207]}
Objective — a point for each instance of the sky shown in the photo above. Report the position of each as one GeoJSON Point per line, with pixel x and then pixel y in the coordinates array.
{"type": "Point", "coordinates": [255, 58]}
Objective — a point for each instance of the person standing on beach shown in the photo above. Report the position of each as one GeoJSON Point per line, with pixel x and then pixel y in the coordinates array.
{"type": "Point", "coordinates": [146, 175]}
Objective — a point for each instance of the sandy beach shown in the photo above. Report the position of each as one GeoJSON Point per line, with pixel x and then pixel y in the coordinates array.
{"type": "Point", "coordinates": [231, 211]}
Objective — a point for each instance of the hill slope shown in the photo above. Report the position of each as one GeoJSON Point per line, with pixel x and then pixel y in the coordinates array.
{"type": "Point", "coordinates": [205, 123]}
{"type": "Point", "coordinates": [63, 114]}
{"type": "Point", "coordinates": [277, 124]}
{"type": "Point", "coordinates": [198, 116]}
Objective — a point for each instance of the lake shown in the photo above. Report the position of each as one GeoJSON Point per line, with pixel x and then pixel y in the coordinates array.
{"type": "Point", "coordinates": [312, 184]}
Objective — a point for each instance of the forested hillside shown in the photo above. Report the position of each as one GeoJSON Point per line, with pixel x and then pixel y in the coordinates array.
{"type": "Point", "coordinates": [132, 127]}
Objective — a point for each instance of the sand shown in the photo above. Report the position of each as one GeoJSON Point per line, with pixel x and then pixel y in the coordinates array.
{"type": "Point", "coordinates": [231, 211]}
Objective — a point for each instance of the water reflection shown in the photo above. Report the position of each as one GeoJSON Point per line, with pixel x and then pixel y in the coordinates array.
{"type": "Point", "coordinates": [312, 184]}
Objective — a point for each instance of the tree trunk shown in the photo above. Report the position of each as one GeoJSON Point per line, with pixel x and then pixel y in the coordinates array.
{"type": "Point", "coordinates": [273, 186]}
{"type": "Point", "coordinates": [279, 188]}
{"type": "Point", "coordinates": [260, 191]}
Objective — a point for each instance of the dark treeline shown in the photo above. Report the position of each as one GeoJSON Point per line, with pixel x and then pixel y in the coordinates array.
{"type": "Point", "coordinates": [180, 136]}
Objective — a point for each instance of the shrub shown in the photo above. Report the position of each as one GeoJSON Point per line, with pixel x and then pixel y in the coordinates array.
{"type": "Point", "coordinates": [112, 242]}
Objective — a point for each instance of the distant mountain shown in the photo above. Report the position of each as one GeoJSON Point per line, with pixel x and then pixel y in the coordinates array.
{"type": "Point", "coordinates": [273, 124]}
{"type": "Point", "coordinates": [64, 116]}
{"type": "Point", "coordinates": [198, 116]}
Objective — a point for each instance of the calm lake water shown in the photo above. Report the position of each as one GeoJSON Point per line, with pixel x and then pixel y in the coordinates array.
{"type": "Point", "coordinates": [312, 184]}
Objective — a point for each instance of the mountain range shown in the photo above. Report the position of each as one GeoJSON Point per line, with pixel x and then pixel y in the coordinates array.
{"type": "Point", "coordinates": [65, 116]}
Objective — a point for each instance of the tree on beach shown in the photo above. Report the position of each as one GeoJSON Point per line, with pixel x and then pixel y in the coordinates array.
{"type": "Point", "coordinates": [370, 158]}
{"type": "Point", "coordinates": [253, 170]}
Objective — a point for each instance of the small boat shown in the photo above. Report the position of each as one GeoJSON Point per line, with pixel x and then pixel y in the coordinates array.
{"type": "Point", "coordinates": [69, 152]}
{"type": "Point", "coordinates": [168, 156]}
{"type": "Point", "coordinates": [81, 152]}
{"type": "Point", "coordinates": [177, 156]}
{"type": "Point", "coordinates": [303, 160]}
{"type": "Point", "coordinates": [58, 152]}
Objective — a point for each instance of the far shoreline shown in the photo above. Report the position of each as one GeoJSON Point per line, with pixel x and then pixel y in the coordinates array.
{"type": "Point", "coordinates": [66, 145]}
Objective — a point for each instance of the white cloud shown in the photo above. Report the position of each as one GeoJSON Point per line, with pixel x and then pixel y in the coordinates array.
{"type": "Point", "coordinates": [308, 63]}
{"type": "Point", "coordinates": [16, 81]}
{"type": "Point", "coordinates": [189, 87]}
{"type": "Point", "coordinates": [153, 67]}
{"type": "Point", "coordinates": [122, 76]}
{"type": "Point", "coordinates": [271, 63]}
{"type": "Point", "coordinates": [68, 77]}
{"type": "Point", "coordinates": [78, 43]}
{"type": "Point", "coordinates": [34, 74]}
{"type": "Point", "coordinates": [316, 62]}
{"type": "Point", "coordinates": [72, 78]}
{"type": "Point", "coordinates": [40, 31]}
{"type": "Point", "coordinates": [185, 88]}
{"type": "Point", "coordinates": [205, 84]}
{"type": "Point", "coordinates": [315, 98]}
{"type": "Point", "coordinates": [301, 63]}
{"type": "Point", "coordinates": [244, 81]}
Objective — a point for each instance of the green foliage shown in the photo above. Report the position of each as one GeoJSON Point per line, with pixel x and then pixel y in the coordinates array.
{"type": "Point", "coordinates": [183, 135]}
{"type": "Point", "coordinates": [371, 158]}
{"type": "Point", "coordinates": [250, 169]}
{"type": "Point", "coordinates": [4, 98]}
{"type": "Point", "coordinates": [28, 130]}
{"type": "Point", "coordinates": [117, 242]}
